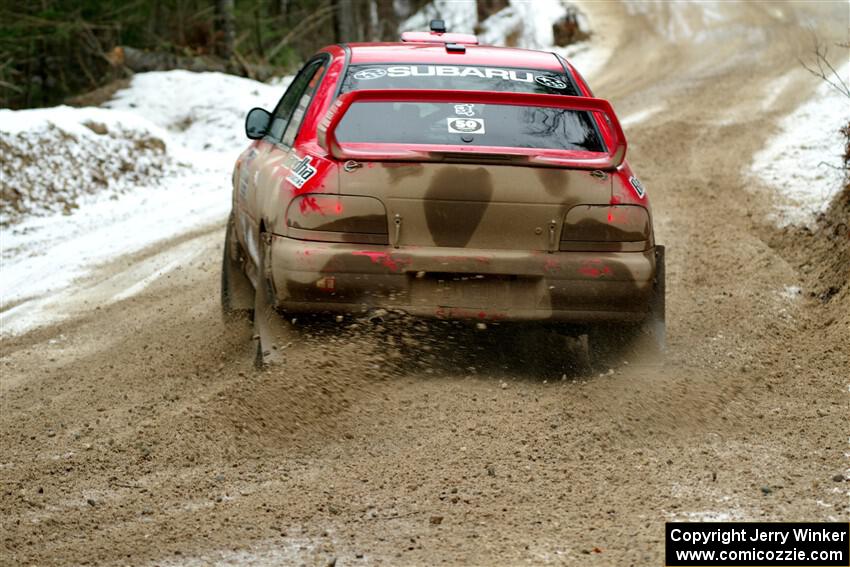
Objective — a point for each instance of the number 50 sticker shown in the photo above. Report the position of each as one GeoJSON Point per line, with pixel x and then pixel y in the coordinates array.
{"type": "Point", "coordinates": [466, 125]}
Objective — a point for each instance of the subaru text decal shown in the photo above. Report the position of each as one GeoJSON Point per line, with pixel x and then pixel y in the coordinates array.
{"type": "Point", "coordinates": [521, 75]}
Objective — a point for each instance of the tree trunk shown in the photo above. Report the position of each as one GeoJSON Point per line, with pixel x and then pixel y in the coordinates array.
{"type": "Point", "coordinates": [258, 33]}
{"type": "Point", "coordinates": [389, 20]}
{"type": "Point", "coordinates": [487, 8]}
{"type": "Point", "coordinates": [226, 27]}
{"type": "Point", "coordinates": [346, 21]}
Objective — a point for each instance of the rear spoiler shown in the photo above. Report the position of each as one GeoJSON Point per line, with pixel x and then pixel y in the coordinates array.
{"type": "Point", "coordinates": [609, 127]}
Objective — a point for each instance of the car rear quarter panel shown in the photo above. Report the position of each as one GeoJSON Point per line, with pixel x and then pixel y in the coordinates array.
{"type": "Point", "coordinates": [263, 183]}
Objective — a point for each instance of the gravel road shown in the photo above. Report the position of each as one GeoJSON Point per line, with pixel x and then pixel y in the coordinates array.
{"type": "Point", "coordinates": [140, 433]}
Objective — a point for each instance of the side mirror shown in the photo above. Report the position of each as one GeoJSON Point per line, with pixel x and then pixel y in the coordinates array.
{"type": "Point", "coordinates": [257, 123]}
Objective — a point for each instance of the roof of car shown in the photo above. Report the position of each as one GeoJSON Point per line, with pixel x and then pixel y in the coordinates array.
{"type": "Point", "coordinates": [436, 53]}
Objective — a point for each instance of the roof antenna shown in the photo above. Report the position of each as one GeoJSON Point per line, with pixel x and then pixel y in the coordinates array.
{"type": "Point", "coordinates": [438, 26]}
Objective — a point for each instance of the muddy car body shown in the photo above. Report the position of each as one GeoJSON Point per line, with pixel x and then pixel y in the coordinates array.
{"type": "Point", "coordinates": [443, 179]}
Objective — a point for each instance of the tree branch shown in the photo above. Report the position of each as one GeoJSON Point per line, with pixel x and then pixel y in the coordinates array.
{"type": "Point", "coordinates": [320, 16]}
{"type": "Point", "coordinates": [832, 77]}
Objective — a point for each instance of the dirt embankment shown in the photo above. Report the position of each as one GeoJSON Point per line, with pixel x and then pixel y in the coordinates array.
{"type": "Point", "coordinates": [821, 253]}
{"type": "Point", "coordinates": [139, 433]}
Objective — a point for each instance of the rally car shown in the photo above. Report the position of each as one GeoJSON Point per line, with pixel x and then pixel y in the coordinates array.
{"type": "Point", "coordinates": [446, 179]}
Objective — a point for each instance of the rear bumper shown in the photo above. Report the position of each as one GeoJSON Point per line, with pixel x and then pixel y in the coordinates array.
{"type": "Point", "coordinates": [461, 283]}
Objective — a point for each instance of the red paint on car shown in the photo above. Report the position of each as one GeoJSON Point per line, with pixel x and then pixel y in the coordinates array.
{"type": "Point", "coordinates": [383, 258]}
{"type": "Point", "coordinates": [594, 269]}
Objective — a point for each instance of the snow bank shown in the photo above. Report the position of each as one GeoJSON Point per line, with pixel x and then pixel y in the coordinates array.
{"type": "Point", "coordinates": [803, 162]}
{"type": "Point", "coordinates": [523, 23]}
{"type": "Point", "coordinates": [526, 24]}
{"type": "Point", "coordinates": [44, 257]}
{"type": "Point", "coordinates": [50, 158]}
{"type": "Point", "coordinates": [165, 149]}
{"type": "Point", "coordinates": [203, 111]}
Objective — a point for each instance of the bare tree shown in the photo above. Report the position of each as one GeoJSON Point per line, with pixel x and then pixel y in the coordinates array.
{"type": "Point", "coordinates": [824, 70]}
{"type": "Point", "coordinates": [226, 26]}
{"type": "Point", "coordinates": [389, 19]}
{"type": "Point", "coordinates": [347, 28]}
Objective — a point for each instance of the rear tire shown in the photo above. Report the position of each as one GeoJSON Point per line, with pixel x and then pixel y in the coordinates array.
{"type": "Point", "coordinates": [270, 328]}
{"type": "Point", "coordinates": [654, 327]}
{"type": "Point", "coordinates": [647, 339]}
{"type": "Point", "coordinates": [237, 293]}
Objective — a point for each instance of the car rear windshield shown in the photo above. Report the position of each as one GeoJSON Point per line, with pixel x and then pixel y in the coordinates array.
{"type": "Point", "coordinates": [492, 125]}
{"type": "Point", "coordinates": [474, 124]}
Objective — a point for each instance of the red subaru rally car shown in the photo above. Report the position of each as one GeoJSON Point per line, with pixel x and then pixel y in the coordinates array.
{"type": "Point", "coordinates": [445, 179]}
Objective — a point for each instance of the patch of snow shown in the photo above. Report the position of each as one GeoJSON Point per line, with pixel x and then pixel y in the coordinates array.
{"type": "Point", "coordinates": [503, 26]}
{"type": "Point", "coordinates": [44, 256]}
{"type": "Point", "coordinates": [199, 118]}
{"type": "Point", "coordinates": [291, 551]}
{"type": "Point", "coordinates": [530, 22]}
{"type": "Point", "coordinates": [187, 252]}
{"type": "Point", "coordinates": [695, 22]}
{"type": "Point", "coordinates": [202, 111]}
{"type": "Point", "coordinates": [640, 116]}
{"type": "Point", "coordinates": [803, 163]}
{"type": "Point", "coordinates": [72, 120]}
{"type": "Point", "coordinates": [791, 292]}
{"type": "Point", "coordinates": [776, 88]}
{"type": "Point", "coordinates": [588, 57]}
{"type": "Point", "coordinates": [526, 24]}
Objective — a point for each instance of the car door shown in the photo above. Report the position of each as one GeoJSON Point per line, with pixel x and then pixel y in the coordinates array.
{"type": "Point", "coordinates": [260, 174]}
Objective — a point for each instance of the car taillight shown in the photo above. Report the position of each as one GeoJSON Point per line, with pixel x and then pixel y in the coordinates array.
{"type": "Point", "coordinates": [337, 218]}
{"type": "Point", "coordinates": [622, 228]}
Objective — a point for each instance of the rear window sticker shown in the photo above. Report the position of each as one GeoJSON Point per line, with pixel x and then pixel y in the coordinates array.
{"type": "Point", "coordinates": [551, 82]}
{"type": "Point", "coordinates": [459, 77]}
{"type": "Point", "coordinates": [638, 186]}
{"type": "Point", "coordinates": [300, 170]}
{"type": "Point", "coordinates": [369, 74]}
{"type": "Point", "coordinates": [465, 109]}
{"type": "Point", "coordinates": [466, 125]}
{"type": "Point", "coordinates": [525, 76]}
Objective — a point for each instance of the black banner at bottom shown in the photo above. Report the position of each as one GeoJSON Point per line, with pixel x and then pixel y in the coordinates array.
{"type": "Point", "coordinates": [757, 544]}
